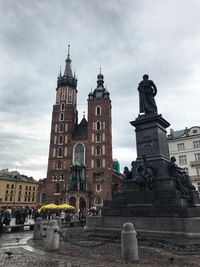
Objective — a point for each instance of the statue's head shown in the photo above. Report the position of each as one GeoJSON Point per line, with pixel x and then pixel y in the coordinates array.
{"type": "Point", "coordinates": [125, 169]}
{"type": "Point", "coordinates": [145, 76]}
{"type": "Point", "coordinates": [173, 159]}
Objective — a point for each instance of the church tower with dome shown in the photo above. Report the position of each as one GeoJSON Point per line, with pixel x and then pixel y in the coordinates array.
{"type": "Point", "coordinates": [80, 165]}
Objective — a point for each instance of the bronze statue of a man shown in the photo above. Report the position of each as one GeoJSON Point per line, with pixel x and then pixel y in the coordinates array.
{"type": "Point", "coordinates": [147, 91]}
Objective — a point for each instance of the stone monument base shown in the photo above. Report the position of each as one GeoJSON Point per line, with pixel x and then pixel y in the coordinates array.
{"type": "Point", "coordinates": [148, 227]}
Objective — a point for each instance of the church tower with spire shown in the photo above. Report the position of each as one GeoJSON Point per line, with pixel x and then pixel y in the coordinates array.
{"type": "Point", "coordinates": [80, 166]}
{"type": "Point", "coordinates": [99, 159]}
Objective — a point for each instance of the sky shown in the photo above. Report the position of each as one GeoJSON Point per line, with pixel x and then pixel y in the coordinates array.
{"type": "Point", "coordinates": [126, 38]}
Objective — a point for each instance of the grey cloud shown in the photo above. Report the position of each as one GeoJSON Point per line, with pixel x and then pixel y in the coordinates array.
{"type": "Point", "coordinates": [126, 38]}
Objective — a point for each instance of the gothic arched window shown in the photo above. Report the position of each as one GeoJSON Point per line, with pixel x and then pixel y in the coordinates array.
{"type": "Point", "coordinates": [98, 150]}
{"type": "Point", "coordinates": [61, 128]}
{"type": "Point", "coordinates": [79, 153]}
{"type": "Point", "coordinates": [98, 110]}
{"type": "Point", "coordinates": [98, 163]}
{"type": "Point", "coordinates": [98, 125]}
{"type": "Point", "coordinates": [62, 107]}
{"type": "Point", "coordinates": [59, 166]}
{"type": "Point", "coordinates": [98, 137]}
{"type": "Point", "coordinates": [60, 152]}
{"type": "Point", "coordinates": [61, 116]}
{"type": "Point", "coordinates": [60, 140]}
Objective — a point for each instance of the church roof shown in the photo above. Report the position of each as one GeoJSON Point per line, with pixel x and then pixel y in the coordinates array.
{"type": "Point", "coordinates": [81, 130]}
{"type": "Point", "coordinates": [100, 92]}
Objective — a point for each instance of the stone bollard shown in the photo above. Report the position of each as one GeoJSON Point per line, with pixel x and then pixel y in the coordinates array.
{"type": "Point", "coordinates": [129, 247]}
{"type": "Point", "coordinates": [38, 229]}
{"type": "Point", "coordinates": [52, 236]}
{"type": "Point", "coordinates": [58, 219]}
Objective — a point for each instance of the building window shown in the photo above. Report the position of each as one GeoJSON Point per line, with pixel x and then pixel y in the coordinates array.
{"type": "Point", "coordinates": [196, 144]}
{"type": "Point", "coordinates": [6, 198]}
{"type": "Point", "coordinates": [11, 192]}
{"type": "Point", "coordinates": [181, 146]}
{"type": "Point", "coordinates": [98, 187]}
{"type": "Point", "coordinates": [98, 138]}
{"type": "Point", "coordinates": [29, 187]}
{"type": "Point", "coordinates": [25, 199]}
{"type": "Point", "coordinates": [26, 187]}
{"type": "Point", "coordinates": [194, 131]}
{"type": "Point", "coordinates": [197, 156]}
{"type": "Point", "coordinates": [11, 198]}
{"type": "Point", "coordinates": [61, 128]}
{"type": "Point", "coordinates": [34, 188]}
{"type": "Point", "coordinates": [66, 127]}
{"type": "Point", "coordinates": [61, 116]}
{"type": "Point", "coordinates": [62, 107]}
{"type": "Point", "coordinates": [7, 186]}
{"type": "Point", "coordinates": [54, 178]}
{"type": "Point", "coordinates": [98, 151]}
{"type": "Point", "coordinates": [20, 192]}
{"type": "Point", "coordinates": [19, 199]}
{"type": "Point", "coordinates": [33, 193]}
{"type": "Point", "coordinates": [62, 177]}
{"type": "Point", "coordinates": [98, 125]}
{"type": "Point", "coordinates": [98, 163]}
{"type": "Point", "coordinates": [12, 186]}
{"type": "Point", "coordinates": [60, 140]}
{"type": "Point", "coordinates": [33, 199]}
{"type": "Point", "coordinates": [182, 159]}
{"type": "Point", "coordinates": [60, 152]}
{"type": "Point", "coordinates": [79, 153]}
{"type": "Point", "coordinates": [20, 187]}
{"type": "Point", "coordinates": [198, 171]}
{"type": "Point", "coordinates": [56, 128]}
{"type": "Point", "coordinates": [98, 200]}
{"type": "Point", "coordinates": [59, 166]}
{"type": "Point", "coordinates": [29, 199]}
{"type": "Point", "coordinates": [98, 110]}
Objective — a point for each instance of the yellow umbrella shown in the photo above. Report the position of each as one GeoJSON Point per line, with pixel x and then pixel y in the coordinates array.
{"type": "Point", "coordinates": [49, 207]}
{"type": "Point", "coordinates": [65, 206]}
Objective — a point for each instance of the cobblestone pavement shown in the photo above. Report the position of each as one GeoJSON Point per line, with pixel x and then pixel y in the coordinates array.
{"type": "Point", "coordinates": [27, 252]}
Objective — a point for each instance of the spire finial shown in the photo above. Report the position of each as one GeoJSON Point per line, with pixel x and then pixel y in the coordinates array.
{"type": "Point", "coordinates": [60, 71]}
{"type": "Point", "coordinates": [68, 50]}
{"type": "Point", "coordinates": [84, 114]}
{"type": "Point", "coordinates": [100, 69]}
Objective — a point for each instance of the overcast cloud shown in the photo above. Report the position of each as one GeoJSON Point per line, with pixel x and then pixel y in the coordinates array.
{"type": "Point", "coordinates": [127, 38]}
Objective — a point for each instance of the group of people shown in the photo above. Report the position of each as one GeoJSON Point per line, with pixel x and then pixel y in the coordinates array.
{"type": "Point", "coordinates": [20, 215]}
{"type": "Point", "coordinates": [67, 216]}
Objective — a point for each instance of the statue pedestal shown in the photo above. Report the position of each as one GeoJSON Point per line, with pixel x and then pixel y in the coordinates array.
{"type": "Point", "coordinates": [150, 208]}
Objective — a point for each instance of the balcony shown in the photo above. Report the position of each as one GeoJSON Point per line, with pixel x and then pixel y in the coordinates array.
{"type": "Point", "coordinates": [195, 163]}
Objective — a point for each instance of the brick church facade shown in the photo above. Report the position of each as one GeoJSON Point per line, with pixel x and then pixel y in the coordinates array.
{"type": "Point", "coordinates": [80, 166]}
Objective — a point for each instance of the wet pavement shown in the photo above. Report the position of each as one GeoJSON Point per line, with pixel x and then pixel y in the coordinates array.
{"type": "Point", "coordinates": [27, 252]}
